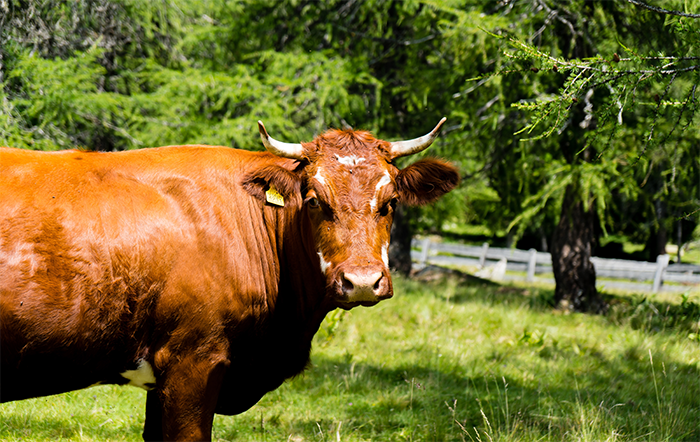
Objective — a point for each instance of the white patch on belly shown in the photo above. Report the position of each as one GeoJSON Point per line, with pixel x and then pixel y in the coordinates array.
{"type": "Point", "coordinates": [385, 254]}
{"type": "Point", "coordinates": [324, 264]}
{"type": "Point", "coordinates": [142, 377]}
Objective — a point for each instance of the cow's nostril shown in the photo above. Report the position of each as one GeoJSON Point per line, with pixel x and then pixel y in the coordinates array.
{"type": "Point", "coordinates": [362, 282]}
{"type": "Point", "coordinates": [348, 286]}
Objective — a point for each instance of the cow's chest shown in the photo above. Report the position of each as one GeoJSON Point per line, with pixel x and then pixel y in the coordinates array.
{"type": "Point", "coordinates": [259, 368]}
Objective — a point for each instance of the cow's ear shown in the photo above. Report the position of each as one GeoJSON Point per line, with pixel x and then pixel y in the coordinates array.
{"type": "Point", "coordinates": [425, 181]}
{"type": "Point", "coordinates": [285, 182]}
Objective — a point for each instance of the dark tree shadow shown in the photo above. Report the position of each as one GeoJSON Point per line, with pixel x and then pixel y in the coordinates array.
{"type": "Point", "coordinates": [412, 397]}
{"type": "Point", "coordinates": [639, 311]}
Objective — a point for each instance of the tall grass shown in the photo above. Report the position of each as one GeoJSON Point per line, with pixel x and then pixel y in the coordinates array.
{"type": "Point", "coordinates": [450, 360]}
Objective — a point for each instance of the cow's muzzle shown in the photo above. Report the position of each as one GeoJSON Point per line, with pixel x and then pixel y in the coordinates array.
{"type": "Point", "coordinates": [364, 285]}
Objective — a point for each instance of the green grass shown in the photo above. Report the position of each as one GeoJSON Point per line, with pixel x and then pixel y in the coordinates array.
{"type": "Point", "coordinates": [691, 254]}
{"type": "Point", "coordinates": [450, 360]}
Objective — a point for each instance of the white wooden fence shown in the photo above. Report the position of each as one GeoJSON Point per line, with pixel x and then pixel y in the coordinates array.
{"type": "Point", "coordinates": [533, 262]}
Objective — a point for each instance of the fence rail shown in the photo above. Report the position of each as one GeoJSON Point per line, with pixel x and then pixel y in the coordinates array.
{"type": "Point", "coordinates": [534, 262]}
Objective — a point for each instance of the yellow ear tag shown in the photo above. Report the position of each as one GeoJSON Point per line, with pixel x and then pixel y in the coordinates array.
{"type": "Point", "coordinates": [273, 196]}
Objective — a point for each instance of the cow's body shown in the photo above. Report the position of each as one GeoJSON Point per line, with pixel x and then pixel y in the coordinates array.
{"type": "Point", "coordinates": [167, 269]}
{"type": "Point", "coordinates": [111, 255]}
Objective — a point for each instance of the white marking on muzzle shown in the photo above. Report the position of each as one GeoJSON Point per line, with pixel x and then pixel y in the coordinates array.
{"type": "Point", "coordinates": [385, 254]}
{"type": "Point", "coordinates": [142, 377]}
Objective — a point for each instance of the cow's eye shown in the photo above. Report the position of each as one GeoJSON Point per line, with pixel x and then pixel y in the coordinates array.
{"type": "Point", "coordinates": [313, 203]}
{"type": "Point", "coordinates": [384, 211]}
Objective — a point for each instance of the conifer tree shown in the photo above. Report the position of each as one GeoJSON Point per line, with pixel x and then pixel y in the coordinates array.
{"type": "Point", "coordinates": [601, 97]}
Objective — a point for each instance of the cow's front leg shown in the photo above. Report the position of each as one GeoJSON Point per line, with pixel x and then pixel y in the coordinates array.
{"type": "Point", "coordinates": [187, 395]}
{"type": "Point", "coordinates": [153, 427]}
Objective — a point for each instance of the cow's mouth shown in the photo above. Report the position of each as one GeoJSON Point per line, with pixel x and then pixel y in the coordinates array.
{"type": "Point", "coordinates": [350, 305]}
{"type": "Point", "coordinates": [347, 303]}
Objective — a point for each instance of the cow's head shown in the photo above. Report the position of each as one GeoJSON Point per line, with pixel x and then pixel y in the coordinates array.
{"type": "Point", "coordinates": [350, 187]}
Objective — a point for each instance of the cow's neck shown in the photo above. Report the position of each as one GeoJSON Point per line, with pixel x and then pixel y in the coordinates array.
{"type": "Point", "coordinates": [302, 300]}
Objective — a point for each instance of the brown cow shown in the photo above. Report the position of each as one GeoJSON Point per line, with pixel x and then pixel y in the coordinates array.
{"type": "Point", "coordinates": [198, 273]}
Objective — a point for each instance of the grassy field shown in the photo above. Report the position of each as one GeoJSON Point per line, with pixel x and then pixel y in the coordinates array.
{"type": "Point", "coordinates": [449, 360]}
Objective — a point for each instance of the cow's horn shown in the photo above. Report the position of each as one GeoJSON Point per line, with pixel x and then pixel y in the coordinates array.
{"type": "Point", "coordinates": [287, 150]}
{"type": "Point", "coordinates": [409, 147]}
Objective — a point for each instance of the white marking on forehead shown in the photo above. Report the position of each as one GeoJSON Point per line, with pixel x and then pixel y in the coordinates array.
{"type": "Point", "coordinates": [385, 254]}
{"type": "Point", "coordinates": [319, 177]}
{"type": "Point", "coordinates": [350, 160]}
{"type": "Point", "coordinates": [324, 264]}
{"type": "Point", "coordinates": [386, 179]}
{"type": "Point", "coordinates": [142, 377]}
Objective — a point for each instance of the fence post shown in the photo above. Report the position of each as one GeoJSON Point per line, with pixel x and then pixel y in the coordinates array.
{"type": "Point", "coordinates": [425, 247]}
{"type": "Point", "coordinates": [531, 264]}
{"type": "Point", "coordinates": [661, 264]}
{"type": "Point", "coordinates": [482, 257]}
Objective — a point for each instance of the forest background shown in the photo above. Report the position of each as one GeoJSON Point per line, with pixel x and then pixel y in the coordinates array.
{"type": "Point", "coordinates": [573, 122]}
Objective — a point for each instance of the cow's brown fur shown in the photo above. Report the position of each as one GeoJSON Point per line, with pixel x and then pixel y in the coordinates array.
{"type": "Point", "coordinates": [172, 256]}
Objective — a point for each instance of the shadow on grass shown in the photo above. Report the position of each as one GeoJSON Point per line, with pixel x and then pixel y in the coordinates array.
{"type": "Point", "coordinates": [560, 390]}
{"type": "Point", "coordinates": [640, 312]}
{"type": "Point", "coordinates": [424, 403]}
{"type": "Point", "coordinates": [470, 288]}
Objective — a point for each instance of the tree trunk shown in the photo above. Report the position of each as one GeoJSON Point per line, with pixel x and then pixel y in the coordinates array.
{"type": "Point", "coordinates": [656, 244]}
{"type": "Point", "coordinates": [658, 237]}
{"type": "Point", "coordinates": [400, 246]}
{"type": "Point", "coordinates": [571, 257]}
{"type": "Point", "coordinates": [679, 240]}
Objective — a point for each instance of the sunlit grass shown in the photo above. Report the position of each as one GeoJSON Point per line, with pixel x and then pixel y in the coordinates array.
{"type": "Point", "coordinates": [691, 254]}
{"type": "Point", "coordinates": [448, 361]}
{"type": "Point", "coordinates": [104, 413]}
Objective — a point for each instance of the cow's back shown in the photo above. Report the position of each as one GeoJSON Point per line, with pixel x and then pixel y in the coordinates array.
{"type": "Point", "coordinates": [101, 254]}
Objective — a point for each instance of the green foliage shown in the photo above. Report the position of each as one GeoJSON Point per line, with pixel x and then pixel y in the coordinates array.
{"type": "Point", "coordinates": [641, 110]}
{"type": "Point", "coordinates": [621, 80]}
{"type": "Point", "coordinates": [329, 326]}
{"type": "Point", "coordinates": [293, 93]}
{"type": "Point", "coordinates": [59, 101]}
{"type": "Point", "coordinates": [155, 91]}
{"type": "Point", "coordinates": [123, 74]}
{"type": "Point", "coordinates": [593, 182]}
{"type": "Point", "coordinates": [595, 94]}
{"type": "Point", "coordinates": [642, 313]}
